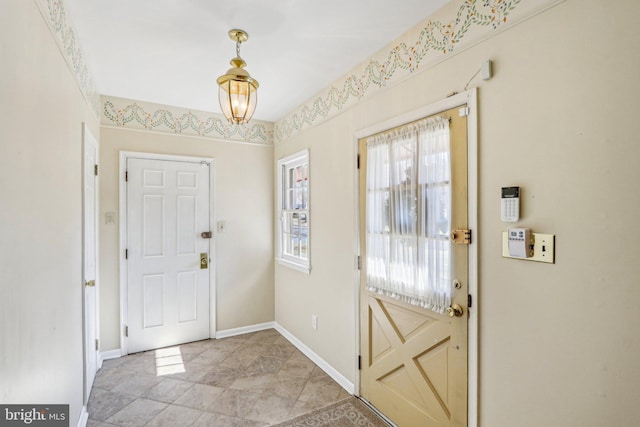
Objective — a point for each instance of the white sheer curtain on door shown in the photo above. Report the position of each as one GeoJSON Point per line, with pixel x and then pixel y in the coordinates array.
{"type": "Point", "coordinates": [408, 214]}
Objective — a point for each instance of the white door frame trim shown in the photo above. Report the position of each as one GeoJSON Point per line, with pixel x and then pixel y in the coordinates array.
{"type": "Point", "coordinates": [124, 315]}
{"type": "Point", "coordinates": [470, 98]}
{"type": "Point", "coordinates": [88, 135]}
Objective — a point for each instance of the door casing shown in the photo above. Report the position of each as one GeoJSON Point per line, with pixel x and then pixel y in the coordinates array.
{"type": "Point", "coordinates": [124, 155]}
{"type": "Point", "coordinates": [90, 321]}
{"type": "Point", "coordinates": [470, 98]}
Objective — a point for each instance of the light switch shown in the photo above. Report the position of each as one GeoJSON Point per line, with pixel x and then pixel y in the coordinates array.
{"type": "Point", "coordinates": [110, 218]}
{"type": "Point", "coordinates": [222, 225]}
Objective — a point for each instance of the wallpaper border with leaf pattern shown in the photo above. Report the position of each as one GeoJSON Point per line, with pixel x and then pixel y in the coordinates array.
{"type": "Point", "coordinates": [65, 35]}
{"type": "Point", "coordinates": [458, 25]}
{"type": "Point", "coordinates": [126, 113]}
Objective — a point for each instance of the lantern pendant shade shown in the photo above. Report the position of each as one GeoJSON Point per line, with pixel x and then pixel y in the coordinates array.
{"type": "Point", "coordinates": [237, 91]}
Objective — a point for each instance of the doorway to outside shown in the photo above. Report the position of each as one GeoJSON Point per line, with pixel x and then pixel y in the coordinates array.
{"type": "Point", "coordinates": [418, 277]}
{"type": "Point", "coordinates": [166, 240]}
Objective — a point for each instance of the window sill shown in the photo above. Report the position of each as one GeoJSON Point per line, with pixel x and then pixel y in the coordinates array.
{"type": "Point", "coordinates": [299, 267]}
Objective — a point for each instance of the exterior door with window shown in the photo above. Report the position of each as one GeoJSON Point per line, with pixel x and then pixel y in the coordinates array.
{"type": "Point", "coordinates": [413, 192]}
{"type": "Point", "coordinates": [167, 255]}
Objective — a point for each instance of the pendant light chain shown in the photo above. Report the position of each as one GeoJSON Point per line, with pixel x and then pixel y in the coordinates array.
{"type": "Point", "coordinates": [238, 48]}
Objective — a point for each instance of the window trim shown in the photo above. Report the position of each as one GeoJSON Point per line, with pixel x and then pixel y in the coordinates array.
{"type": "Point", "coordinates": [298, 264]}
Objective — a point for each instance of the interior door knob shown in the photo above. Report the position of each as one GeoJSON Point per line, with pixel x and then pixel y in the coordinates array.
{"type": "Point", "coordinates": [204, 260]}
{"type": "Point", "coordinates": [454, 311]}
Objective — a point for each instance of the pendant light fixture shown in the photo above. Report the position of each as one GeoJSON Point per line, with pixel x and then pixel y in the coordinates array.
{"type": "Point", "coordinates": [238, 91]}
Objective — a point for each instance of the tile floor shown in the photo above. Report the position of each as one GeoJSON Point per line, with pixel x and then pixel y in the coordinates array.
{"type": "Point", "coordinates": [257, 379]}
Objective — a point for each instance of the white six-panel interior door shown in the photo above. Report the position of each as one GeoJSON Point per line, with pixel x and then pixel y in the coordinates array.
{"type": "Point", "coordinates": [167, 258]}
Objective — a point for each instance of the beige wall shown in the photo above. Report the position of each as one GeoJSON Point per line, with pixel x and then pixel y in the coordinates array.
{"type": "Point", "coordinates": [243, 199]}
{"type": "Point", "coordinates": [41, 116]}
{"type": "Point", "coordinates": [558, 343]}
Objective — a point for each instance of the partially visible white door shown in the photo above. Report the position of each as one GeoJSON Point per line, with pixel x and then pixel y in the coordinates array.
{"type": "Point", "coordinates": [90, 222]}
{"type": "Point", "coordinates": [168, 258]}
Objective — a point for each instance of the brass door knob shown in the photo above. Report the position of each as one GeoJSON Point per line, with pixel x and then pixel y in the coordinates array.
{"type": "Point", "coordinates": [454, 311]}
{"type": "Point", "coordinates": [204, 260]}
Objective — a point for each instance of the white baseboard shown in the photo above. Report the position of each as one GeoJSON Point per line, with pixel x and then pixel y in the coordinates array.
{"type": "Point", "coordinates": [244, 330]}
{"type": "Point", "coordinates": [84, 417]}
{"type": "Point", "coordinates": [109, 354]}
{"type": "Point", "coordinates": [323, 364]}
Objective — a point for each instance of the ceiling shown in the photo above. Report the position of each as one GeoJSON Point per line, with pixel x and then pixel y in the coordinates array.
{"type": "Point", "coordinates": [172, 51]}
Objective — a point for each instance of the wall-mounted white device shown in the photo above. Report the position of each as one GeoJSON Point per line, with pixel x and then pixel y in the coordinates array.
{"type": "Point", "coordinates": [510, 204]}
{"type": "Point", "coordinates": [544, 246]}
{"type": "Point", "coordinates": [520, 242]}
{"type": "Point", "coordinates": [485, 70]}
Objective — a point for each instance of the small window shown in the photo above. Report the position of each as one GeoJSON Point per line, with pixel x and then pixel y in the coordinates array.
{"type": "Point", "coordinates": [293, 204]}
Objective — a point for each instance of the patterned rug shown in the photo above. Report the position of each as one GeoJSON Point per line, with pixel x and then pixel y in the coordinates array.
{"type": "Point", "coordinates": [346, 413]}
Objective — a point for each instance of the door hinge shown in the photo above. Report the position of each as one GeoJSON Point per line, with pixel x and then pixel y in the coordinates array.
{"type": "Point", "coordinates": [126, 331]}
{"type": "Point", "coordinates": [97, 344]}
{"type": "Point", "coordinates": [358, 162]}
{"type": "Point", "coordinates": [469, 301]}
{"type": "Point", "coordinates": [359, 262]}
{"type": "Point", "coordinates": [359, 362]}
{"type": "Point", "coordinates": [95, 170]}
{"type": "Point", "coordinates": [463, 112]}
{"type": "Point", "coordinates": [126, 176]}
{"type": "Point", "coordinates": [461, 237]}
{"type": "Point", "coordinates": [126, 254]}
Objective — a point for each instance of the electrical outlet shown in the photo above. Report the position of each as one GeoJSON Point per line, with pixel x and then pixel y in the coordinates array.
{"type": "Point", "coordinates": [314, 322]}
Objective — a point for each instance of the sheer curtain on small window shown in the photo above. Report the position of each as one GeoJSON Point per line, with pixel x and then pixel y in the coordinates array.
{"type": "Point", "coordinates": [408, 214]}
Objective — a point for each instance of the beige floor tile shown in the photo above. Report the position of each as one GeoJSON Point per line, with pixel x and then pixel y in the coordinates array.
{"type": "Point", "coordinates": [107, 379]}
{"type": "Point", "coordinates": [267, 336]}
{"type": "Point", "coordinates": [320, 389]}
{"type": "Point", "coordinates": [174, 416]}
{"type": "Point", "coordinates": [137, 384]}
{"type": "Point", "coordinates": [298, 355]}
{"type": "Point", "coordinates": [301, 407]}
{"type": "Point", "coordinates": [104, 403]}
{"type": "Point", "coordinates": [281, 351]}
{"type": "Point", "coordinates": [228, 344]}
{"type": "Point", "coordinates": [139, 361]}
{"type": "Point", "coordinates": [252, 380]}
{"type": "Point", "coordinates": [264, 365]}
{"type": "Point", "coordinates": [194, 370]}
{"type": "Point", "coordinates": [239, 361]}
{"type": "Point", "coordinates": [234, 403]}
{"type": "Point", "coordinates": [286, 386]}
{"type": "Point", "coordinates": [298, 367]}
{"type": "Point", "coordinates": [213, 355]}
{"type": "Point", "coordinates": [137, 413]}
{"type": "Point", "coordinates": [199, 396]}
{"type": "Point", "coordinates": [256, 383]}
{"type": "Point", "coordinates": [190, 352]}
{"type": "Point", "coordinates": [112, 363]}
{"type": "Point", "coordinates": [271, 409]}
{"type": "Point", "coordinates": [218, 420]}
{"type": "Point", "coordinates": [252, 348]}
{"type": "Point", "coordinates": [168, 390]}
{"type": "Point", "coordinates": [220, 376]}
